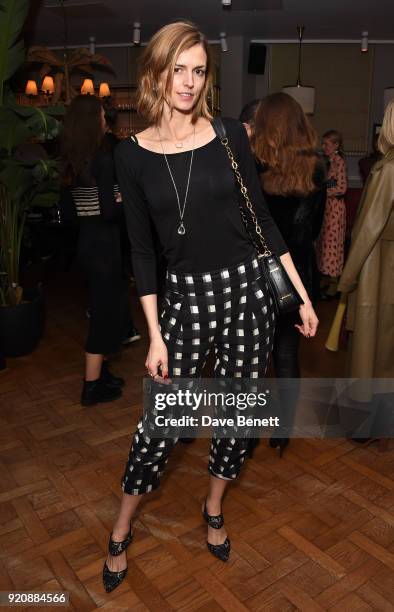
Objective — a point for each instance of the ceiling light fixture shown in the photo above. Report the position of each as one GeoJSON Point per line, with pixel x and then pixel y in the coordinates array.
{"type": "Point", "coordinates": [305, 96]}
{"type": "Point", "coordinates": [226, 2]}
{"type": "Point", "coordinates": [136, 33]}
{"type": "Point", "coordinates": [92, 45]}
{"type": "Point", "coordinates": [223, 42]}
{"type": "Point", "coordinates": [364, 42]}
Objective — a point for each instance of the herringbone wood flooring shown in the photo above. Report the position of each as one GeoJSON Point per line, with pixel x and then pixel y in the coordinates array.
{"type": "Point", "coordinates": [311, 531]}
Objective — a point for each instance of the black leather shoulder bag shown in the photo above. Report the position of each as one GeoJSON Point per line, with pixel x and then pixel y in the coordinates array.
{"type": "Point", "coordinates": [286, 297]}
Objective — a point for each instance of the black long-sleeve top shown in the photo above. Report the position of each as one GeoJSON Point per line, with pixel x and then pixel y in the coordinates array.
{"type": "Point", "coordinates": [94, 190]}
{"type": "Point", "coordinates": [299, 220]}
{"type": "Point", "coordinates": [215, 236]}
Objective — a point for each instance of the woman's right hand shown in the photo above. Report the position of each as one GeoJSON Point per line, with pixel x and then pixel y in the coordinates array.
{"type": "Point", "coordinates": [157, 359]}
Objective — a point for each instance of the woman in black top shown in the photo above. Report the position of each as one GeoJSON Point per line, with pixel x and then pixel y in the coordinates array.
{"type": "Point", "coordinates": [90, 176]}
{"type": "Point", "coordinates": [293, 181]}
{"type": "Point", "coordinates": [176, 176]}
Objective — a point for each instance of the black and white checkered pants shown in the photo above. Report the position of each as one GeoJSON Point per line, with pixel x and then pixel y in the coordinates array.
{"type": "Point", "coordinates": [229, 311]}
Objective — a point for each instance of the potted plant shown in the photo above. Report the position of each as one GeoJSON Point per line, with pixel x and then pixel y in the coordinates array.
{"type": "Point", "coordinates": [23, 185]}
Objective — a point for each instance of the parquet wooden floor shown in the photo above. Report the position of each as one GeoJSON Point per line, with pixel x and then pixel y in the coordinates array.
{"type": "Point", "coordinates": [311, 531]}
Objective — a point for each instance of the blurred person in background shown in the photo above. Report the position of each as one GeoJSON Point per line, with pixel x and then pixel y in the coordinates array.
{"type": "Point", "coordinates": [331, 242]}
{"type": "Point", "coordinates": [89, 175]}
{"type": "Point", "coordinates": [111, 141]}
{"type": "Point", "coordinates": [247, 116]}
{"type": "Point", "coordinates": [367, 281]}
{"type": "Point", "coordinates": [293, 182]}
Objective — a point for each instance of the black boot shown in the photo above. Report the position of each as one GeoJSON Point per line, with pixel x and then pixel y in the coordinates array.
{"type": "Point", "coordinates": [132, 336]}
{"type": "Point", "coordinates": [253, 443]}
{"type": "Point", "coordinates": [96, 391]}
{"type": "Point", "coordinates": [186, 440]}
{"type": "Point", "coordinates": [280, 443]}
{"type": "Point", "coordinates": [110, 379]}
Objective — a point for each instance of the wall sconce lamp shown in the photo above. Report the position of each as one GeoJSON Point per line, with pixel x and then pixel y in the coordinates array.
{"type": "Point", "coordinates": [31, 89]}
{"type": "Point", "coordinates": [48, 87]}
{"type": "Point", "coordinates": [104, 90]}
{"type": "Point", "coordinates": [87, 87]}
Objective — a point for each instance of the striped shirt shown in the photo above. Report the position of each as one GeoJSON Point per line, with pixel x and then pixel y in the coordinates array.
{"type": "Point", "coordinates": [86, 200]}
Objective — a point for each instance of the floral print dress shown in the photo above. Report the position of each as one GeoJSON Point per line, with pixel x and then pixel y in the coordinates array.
{"type": "Point", "coordinates": [331, 241]}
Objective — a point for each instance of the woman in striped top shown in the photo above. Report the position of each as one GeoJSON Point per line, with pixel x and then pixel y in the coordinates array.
{"type": "Point", "coordinates": [89, 174]}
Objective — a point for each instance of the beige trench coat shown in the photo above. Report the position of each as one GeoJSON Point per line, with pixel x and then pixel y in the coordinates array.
{"type": "Point", "coordinates": [368, 278]}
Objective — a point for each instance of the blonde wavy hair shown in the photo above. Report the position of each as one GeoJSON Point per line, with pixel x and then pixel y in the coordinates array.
{"type": "Point", "coordinates": [161, 54]}
{"type": "Point", "coordinates": [285, 142]}
{"type": "Point", "coordinates": [386, 135]}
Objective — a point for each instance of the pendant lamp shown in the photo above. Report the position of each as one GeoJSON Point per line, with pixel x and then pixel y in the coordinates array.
{"type": "Point", "coordinates": [305, 96]}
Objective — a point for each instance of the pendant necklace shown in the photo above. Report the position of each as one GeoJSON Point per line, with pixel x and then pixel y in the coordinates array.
{"type": "Point", "coordinates": [181, 226]}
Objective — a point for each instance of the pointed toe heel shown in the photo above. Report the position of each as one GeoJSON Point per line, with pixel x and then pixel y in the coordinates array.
{"type": "Point", "coordinates": [221, 551]}
{"type": "Point", "coordinates": [111, 579]}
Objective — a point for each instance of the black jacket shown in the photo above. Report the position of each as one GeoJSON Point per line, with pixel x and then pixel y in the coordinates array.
{"type": "Point", "coordinates": [299, 220]}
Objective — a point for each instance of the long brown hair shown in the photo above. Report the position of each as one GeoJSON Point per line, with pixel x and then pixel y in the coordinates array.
{"type": "Point", "coordinates": [82, 135]}
{"type": "Point", "coordinates": [161, 54]}
{"type": "Point", "coordinates": [285, 142]}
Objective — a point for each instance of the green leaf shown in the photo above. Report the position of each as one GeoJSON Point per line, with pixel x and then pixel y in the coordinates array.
{"type": "Point", "coordinates": [13, 130]}
{"type": "Point", "coordinates": [13, 15]}
{"type": "Point", "coordinates": [42, 125]}
{"type": "Point", "coordinates": [45, 200]}
{"type": "Point", "coordinates": [56, 111]}
{"type": "Point", "coordinates": [18, 180]}
{"type": "Point", "coordinates": [29, 111]}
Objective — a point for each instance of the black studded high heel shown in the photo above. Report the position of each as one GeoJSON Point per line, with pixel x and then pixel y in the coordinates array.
{"type": "Point", "coordinates": [221, 551]}
{"type": "Point", "coordinates": [113, 579]}
{"type": "Point", "coordinates": [280, 443]}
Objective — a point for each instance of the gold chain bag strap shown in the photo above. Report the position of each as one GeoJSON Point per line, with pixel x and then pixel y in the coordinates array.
{"type": "Point", "coordinates": [286, 297]}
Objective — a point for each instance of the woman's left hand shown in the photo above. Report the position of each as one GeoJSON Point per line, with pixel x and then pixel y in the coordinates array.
{"type": "Point", "coordinates": [309, 320]}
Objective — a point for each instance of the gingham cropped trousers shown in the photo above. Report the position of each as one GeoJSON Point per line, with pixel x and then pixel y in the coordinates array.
{"type": "Point", "coordinates": [229, 311]}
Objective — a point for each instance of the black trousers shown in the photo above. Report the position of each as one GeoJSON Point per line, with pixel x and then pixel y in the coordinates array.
{"type": "Point", "coordinates": [99, 256]}
{"type": "Point", "coordinates": [286, 364]}
{"type": "Point", "coordinates": [230, 312]}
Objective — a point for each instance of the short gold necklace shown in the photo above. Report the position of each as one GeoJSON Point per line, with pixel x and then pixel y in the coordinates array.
{"type": "Point", "coordinates": [179, 143]}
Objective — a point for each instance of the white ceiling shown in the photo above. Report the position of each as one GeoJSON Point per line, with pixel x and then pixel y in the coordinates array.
{"type": "Point", "coordinates": [109, 20]}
